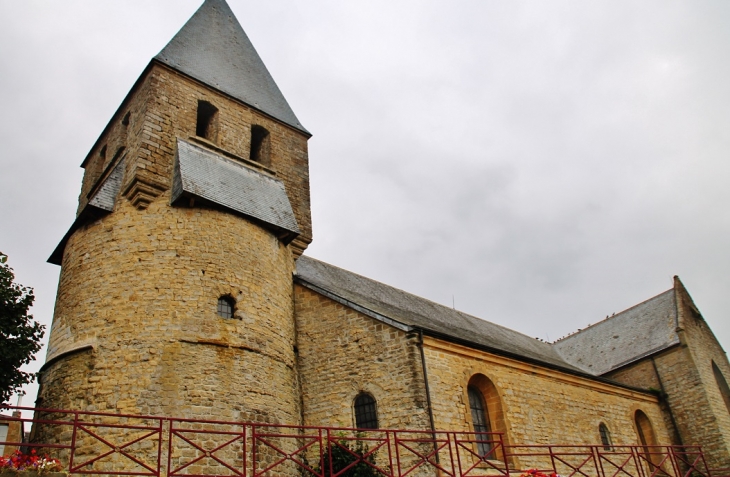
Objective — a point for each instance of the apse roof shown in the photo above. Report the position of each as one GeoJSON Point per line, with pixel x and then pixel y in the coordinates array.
{"type": "Point", "coordinates": [213, 48]}
{"type": "Point", "coordinates": [640, 331]}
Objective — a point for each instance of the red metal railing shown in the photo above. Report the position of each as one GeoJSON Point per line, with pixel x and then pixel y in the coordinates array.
{"type": "Point", "coordinates": [630, 460]}
{"type": "Point", "coordinates": [152, 446]}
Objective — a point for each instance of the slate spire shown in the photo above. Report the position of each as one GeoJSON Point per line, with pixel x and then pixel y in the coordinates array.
{"type": "Point", "coordinates": [213, 48]}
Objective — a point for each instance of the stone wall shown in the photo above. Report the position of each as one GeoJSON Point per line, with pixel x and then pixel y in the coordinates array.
{"type": "Point", "coordinates": [640, 374]}
{"type": "Point", "coordinates": [162, 107]}
{"type": "Point", "coordinates": [343, 352]}
{"type": "Point", "coordinates": [140, 285]}
{"type": "Point", "coordinates": [643, 374]}
{"type": "Point", "coordinates": [14, 433]}
{"type": "Point", "coordinates": [684, 372]}
{"type": "Point", "coordinates": [540, 405]}
{"type": "Point", "coordinates": [701, 411]}
{"type": "Point", "coordinates": [122, 137]}
{"type": "Point", "coordinates": [172, 112]}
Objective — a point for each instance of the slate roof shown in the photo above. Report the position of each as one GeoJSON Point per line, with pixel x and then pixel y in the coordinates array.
{"type": "Point", "coordinates": [213, 48]}
{"type": "Point", "coordinates": [635, 333]}
{"type": "Point", "coordinates": [206, 174]}
{"type": "Point", "coordinates": [413, 311]}
{"type": "Point", "coordinates": [106, 194]}
{"type": "Point", "coordinates": [100, 204]}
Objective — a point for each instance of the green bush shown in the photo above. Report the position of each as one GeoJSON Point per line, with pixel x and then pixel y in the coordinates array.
{"type": "Point", "coordinates": [342, 456]}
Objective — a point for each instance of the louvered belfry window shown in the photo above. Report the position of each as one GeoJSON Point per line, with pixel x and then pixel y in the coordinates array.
{"type": "Point", "coordinates": [366, 414]}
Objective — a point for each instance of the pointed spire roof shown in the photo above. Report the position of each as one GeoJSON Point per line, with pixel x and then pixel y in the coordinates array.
{"type": "Point", "coordinates": [213, 48]}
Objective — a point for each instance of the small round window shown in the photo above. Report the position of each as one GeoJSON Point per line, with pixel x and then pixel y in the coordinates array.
{"type": "Point", "coordinates": [225, 307]}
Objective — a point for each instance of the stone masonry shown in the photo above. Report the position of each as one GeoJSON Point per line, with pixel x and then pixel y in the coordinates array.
{"type": "Point", "coordinates": [343, 352]}
{"type": "Point", "coordinates": [683, 374]}
{"type": "Point", "coordinates": [539, 405]}
{"type": "Point", "coordinates": [366, 356]}
{"type": "Point", "coordinates": [136, 328]}
{"type": "Point", "coordinates": [140, 285]}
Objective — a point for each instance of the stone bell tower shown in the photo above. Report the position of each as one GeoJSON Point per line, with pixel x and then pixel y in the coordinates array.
{"type": "Point", "coordinates": [175, 294]}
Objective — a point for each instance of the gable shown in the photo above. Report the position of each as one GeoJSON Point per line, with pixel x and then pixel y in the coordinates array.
{"type": "Point", "coordinates": [640, 331]}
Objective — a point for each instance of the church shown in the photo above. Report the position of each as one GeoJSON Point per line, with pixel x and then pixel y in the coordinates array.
{"type": "Point", "coordinates": [185, 290]}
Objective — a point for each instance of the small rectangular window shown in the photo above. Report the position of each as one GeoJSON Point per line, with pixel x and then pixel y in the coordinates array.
{"type": "Point", "coordinates": [260, 147]}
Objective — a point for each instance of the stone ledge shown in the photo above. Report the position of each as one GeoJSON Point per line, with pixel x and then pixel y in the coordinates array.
{"type": "Point", "coordinates": [141, 191]}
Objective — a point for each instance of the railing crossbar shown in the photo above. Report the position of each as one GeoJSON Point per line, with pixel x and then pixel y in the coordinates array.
{"type": "Point", "coordinates": [401, 453]}
{"type": "Point", "coordinates": [116, 449]}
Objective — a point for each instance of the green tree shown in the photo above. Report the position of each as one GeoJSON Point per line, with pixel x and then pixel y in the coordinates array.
{"type": "Point", "coordinates": [20, 335]}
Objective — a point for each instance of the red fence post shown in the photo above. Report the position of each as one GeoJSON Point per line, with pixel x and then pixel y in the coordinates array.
{"type": "Point", "coordinates": [73, 441]}
{"type": "Point", "coordinates": [504, 453]}
{"type": "Point", "coordinates": [329, 453]}
{"type": "Point", "coordinates": [244, 449]}
{"type": "Point", "coordinates": [254, 435]}
{"type": "Point", "coordinates": [170, 428]}
{"type": "Point", "coordinates": [159, 446]}
{"type": "Point", "coordinates": [388, 440]}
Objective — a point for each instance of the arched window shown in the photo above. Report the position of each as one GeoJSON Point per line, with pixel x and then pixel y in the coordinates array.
{"type": "Point", "coordinates": [225, 307]}
{"type": "Point", "coordinates": [722, 384]}
{"type": "Point", "coordinates": [480, 420]}
{"type": "Point", "coordinates": [644, 429]}
{"type": "Point", "coordinates": [207, 122]}
{"type": "Point", "coordinates": [647, 439]}
{"type": "Point", "coordinates": [366, 413]}
{"type": "Point", "coordinates": [605, 437]}
{"type": "Point", "coordinates": [260, 147]}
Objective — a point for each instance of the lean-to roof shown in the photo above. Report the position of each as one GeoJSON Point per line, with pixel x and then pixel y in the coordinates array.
{"type": "Point", "coordinates": [203, 173]}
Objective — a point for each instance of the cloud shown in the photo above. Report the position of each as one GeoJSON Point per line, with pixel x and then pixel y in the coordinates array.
{"type": "Point", "coordinates": [540, 165]}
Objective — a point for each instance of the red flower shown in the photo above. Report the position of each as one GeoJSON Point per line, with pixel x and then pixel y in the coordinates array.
{"type": "Point", "coordinates": [20, 461]}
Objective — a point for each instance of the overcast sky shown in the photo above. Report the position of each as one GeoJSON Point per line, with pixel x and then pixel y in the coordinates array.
{"type": "Point", "coordinates": [537, 164]}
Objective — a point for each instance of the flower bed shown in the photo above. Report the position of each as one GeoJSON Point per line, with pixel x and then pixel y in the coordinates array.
{"type": "Point", "coordinates": [32, 464]}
